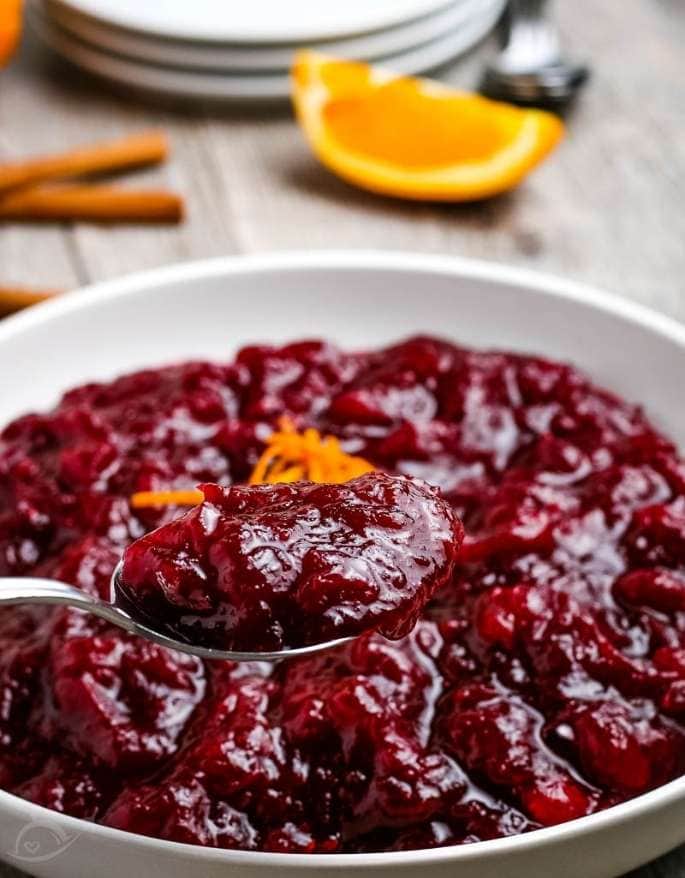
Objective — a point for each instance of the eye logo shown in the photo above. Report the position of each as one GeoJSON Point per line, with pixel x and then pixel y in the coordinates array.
{"type": "Point", "coordinates": [40, 842]}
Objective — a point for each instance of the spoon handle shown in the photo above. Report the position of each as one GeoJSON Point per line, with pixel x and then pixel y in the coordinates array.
{"type": "Point", "coordinates": [527, 8]}
{"type": "Point", "coordinates": [531, 40]}
{"type": "Point", "coordinates": [15, 591]}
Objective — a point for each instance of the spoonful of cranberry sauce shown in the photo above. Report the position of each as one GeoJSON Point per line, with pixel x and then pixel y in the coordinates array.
{"type": "Point", "coordinates": [272, 571]}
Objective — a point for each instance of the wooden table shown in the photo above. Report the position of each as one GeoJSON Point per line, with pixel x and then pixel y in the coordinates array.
{"type": "Point", "coordinates": [607, 208]}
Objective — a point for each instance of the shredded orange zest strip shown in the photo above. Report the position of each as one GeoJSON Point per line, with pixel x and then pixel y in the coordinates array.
{"type": "Point", "coordinates": [289, 456]}
{"type": "Point", "coordinates": [292, 457]}
{"type": "Point", "coordinates": [144, 499]}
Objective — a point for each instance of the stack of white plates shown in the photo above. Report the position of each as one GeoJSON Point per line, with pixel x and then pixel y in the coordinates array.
{"type": "Point", "coordinates": [242, 50]}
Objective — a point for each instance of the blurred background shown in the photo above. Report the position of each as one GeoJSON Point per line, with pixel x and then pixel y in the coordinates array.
{"type": "Point", "coordinates": [606, 207]}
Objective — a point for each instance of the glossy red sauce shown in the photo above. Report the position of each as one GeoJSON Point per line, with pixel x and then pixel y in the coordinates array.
{"type": "Point", "coordinates": [277, 566]}
{"type": "Point", "coordinates": [545, 681]}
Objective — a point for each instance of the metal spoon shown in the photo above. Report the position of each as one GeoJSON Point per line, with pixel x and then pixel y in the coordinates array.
{"type": "Point", "coordinates": [17, 590]}
{"type": "Point", "coordinates": [529, 69]}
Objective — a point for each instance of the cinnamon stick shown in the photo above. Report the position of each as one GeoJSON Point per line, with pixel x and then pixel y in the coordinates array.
{"type": "Point", "coordinates": [102, 204]}
{"type": "Point", "coordinates": [134, 151]}
{"type": "Point", "coordinates": [15, 298]}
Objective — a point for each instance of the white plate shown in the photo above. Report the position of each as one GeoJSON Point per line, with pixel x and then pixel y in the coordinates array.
{"type": "Point", "coordinates": [259, 59]}
{"type": "Point", "coordinates": [187, 84]}
{"type": "Point", "coordinates": [254, 21]}
{"type": "Point", "coordinates": [358, 299]}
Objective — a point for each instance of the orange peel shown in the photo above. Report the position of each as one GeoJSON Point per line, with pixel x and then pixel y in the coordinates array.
{"type": "Point", "coordinates": [10, 28]}
{"type": "Point", "coordinates": [289, 456]}
{"type": "Point", "coordinates": [415, 138]}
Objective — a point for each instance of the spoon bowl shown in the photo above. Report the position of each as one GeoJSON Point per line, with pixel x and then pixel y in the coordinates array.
{"type": "Point", "coordinates": [31, 590]}
{"type": "Point", "coordinates": [553, 85]}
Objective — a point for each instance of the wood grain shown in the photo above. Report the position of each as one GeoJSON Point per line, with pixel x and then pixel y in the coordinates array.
{"type": "Point", "coordinates": [607, 208]}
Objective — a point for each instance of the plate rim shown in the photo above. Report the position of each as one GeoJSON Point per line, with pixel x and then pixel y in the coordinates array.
{"type": "Point", "coordinates": [199, 34]}
{"type": "Point", "coordinates": [209, 85]}
{"type": "Point", "coordinates": [239, 58]}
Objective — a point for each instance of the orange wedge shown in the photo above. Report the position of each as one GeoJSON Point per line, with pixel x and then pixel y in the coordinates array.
{"type": "Point", "coordinates": [415, 138]}
{"type": "Point", "coordinates": [10, 28]}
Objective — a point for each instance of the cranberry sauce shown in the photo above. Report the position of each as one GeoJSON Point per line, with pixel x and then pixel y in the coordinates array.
{"type": "Point", "coordinates": [271, 567]}
{"type": "Point", "coordinates": [544, 681]}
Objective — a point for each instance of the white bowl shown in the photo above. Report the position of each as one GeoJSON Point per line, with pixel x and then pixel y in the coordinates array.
{"type": "Point", "coordinates": [208, 310]}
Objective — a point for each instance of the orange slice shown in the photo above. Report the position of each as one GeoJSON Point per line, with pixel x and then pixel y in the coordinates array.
{"type": "Point", "coordinates": [415, 138]}
{"type": "Point", "coordinates": [10, 28]}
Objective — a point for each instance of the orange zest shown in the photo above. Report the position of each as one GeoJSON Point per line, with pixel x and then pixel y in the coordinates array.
{"type": "Point", "coordinates": [292, 457]}
{"type": "Point", "coordinates": [415, 138]}
{"type": "Point", "coordinates": [10, 28]}
{"type": "Point", "coordinates": [289, 456]}
{"type": "Point", "coordinates": [145, 499]}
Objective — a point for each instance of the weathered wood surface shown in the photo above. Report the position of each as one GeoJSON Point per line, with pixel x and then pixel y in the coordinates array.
{"type": "Point", "coordinates": [607, 208]}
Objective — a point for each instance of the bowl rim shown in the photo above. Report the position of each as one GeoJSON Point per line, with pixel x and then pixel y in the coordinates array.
{"type": "Point", "coordinates": [374, 261]}
{"type": "Point", "coordinates": [500, 274]}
